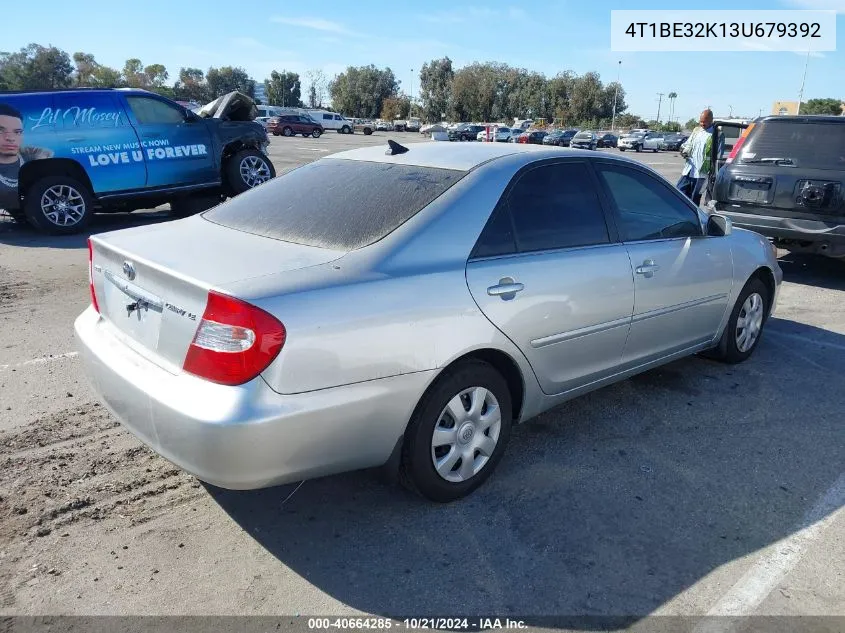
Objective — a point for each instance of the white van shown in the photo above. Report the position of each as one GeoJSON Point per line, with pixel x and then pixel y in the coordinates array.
{"type": "Point", "coordinates": [269, 111]}
{"type": "Point", "coordinates": [331, 121]}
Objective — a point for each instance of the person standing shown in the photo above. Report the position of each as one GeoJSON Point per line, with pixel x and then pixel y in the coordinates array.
{"type": "Point", "coordinates": [696, 152]}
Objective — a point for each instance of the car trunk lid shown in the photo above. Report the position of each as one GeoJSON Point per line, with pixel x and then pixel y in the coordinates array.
{"type": "Point", "coordinates": [152, 283]}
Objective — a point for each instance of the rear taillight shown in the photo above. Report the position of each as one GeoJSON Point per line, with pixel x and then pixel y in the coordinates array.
{"type": "Point", "coordinates": [738, 144]}
{"type": "Point", "coordinates": [235, 341]}
{"type": "Point", "coordinates": [91, 276]}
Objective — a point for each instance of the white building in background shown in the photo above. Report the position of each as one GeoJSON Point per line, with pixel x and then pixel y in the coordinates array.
{"type": "Point", "coordinates": [260, 91]}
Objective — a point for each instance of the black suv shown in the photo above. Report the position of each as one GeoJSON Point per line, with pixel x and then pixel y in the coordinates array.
{"type": "Point", "coordinates": [785, 178]}
{"type": "Point", "coordinates": [465, 132]}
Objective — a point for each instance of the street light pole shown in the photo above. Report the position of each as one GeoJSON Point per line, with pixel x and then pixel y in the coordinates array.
{"type": "Point", "coordinates": [411, 90]}
{"type": "Point", "coordinates": [615, 94]}
{"type": "Point", "coordinates": [660, 101]}
{"type": "Point", "coordinates": [803, 79]}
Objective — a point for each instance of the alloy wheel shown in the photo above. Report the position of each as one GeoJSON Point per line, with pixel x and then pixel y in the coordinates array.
{"type": "Point", "coordinates": [254, 171]}
{"type": "Point", "coordinates": [63, 205]}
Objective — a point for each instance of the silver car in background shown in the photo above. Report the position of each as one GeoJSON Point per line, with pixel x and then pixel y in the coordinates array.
{"type": "Point", "coordinates": [407, 308]}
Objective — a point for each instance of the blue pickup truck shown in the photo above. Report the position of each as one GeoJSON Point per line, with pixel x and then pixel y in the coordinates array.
{"type": "Point", "coordinates": [67, 154]}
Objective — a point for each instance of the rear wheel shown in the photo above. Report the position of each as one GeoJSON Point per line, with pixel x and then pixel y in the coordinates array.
{"type": "Point", "coordinates": [458, 433]}
{"type": "Point", "coordinates": [247, 169]}
{"type": "Point", "coordinates": [59, 204]}
{"type": "Point", "coordinates": [316, 133]}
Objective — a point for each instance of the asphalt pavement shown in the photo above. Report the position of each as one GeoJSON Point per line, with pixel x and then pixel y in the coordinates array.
{"type": "Point", "coordinates": [697, 488]}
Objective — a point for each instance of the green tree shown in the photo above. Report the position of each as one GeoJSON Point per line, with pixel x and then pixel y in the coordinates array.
{"type": "Point", "coordinates": [133, 73]}
{"type": "Point", "coordinates": [191, 85]}
{"type": "Point", "coordinates": [85, 66]}
{"type": "Point", "coordinates": [691, 124]}
{"type": "Point", "coordinates": [822, 106]}
{"type": "Point", "coordinates": [396, 108]}
{"type": "Point", "coordinates": [156, 75]}
{"type": "Point", "coordinates": [105, 77]}
{"type": "Point", "coordinates": [361, 91]}
{"type": "Point", "coordinates": [318, 88]}
{"type": "Point", "coordinates": [284, 89]}
{"type": "Point", "coordinates": [36, 67]}
{"type": "Point", "coordinates": [227, 79]}
{"type": "Point", "coordinates": [436, 88]}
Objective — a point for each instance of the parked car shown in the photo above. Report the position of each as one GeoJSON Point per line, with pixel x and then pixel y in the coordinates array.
{"type": "Point", "coordinates": [87, 151]}
{"type": "Point", "coordinates": [607, 140]}
{"type": "Point", "coordinates": [263, 120]}
{"type": "Point", "coordinates": [584, 140]}
{"type": "Point", "coordinates": [293, 124]}
{"type": "Point", "coordinates": [784, 178]}
{"type": "Point", "coordinates": [465, 132]}
{"type": "Point", "coordinates": [413, 124]}
{"type": "Point", "coordinates": [433, 127]}
{"type": "Point", "coordinates": [383, 126]}
{"type": "Point", "coordinates": [673, 142]}
{"type": "Point", "coordinates": [639, 141]}
{"type": "Point", "coordinates": [532, 137]}
{"type": "Point", "coordinates": [365, 127]}
{"type": "Point", "coordinates": [332, 121]}
{"type": "Point", "coordinates": [500, 135]}
{"type": "Point", "coordinates": [561, 138]}
{"type": "Point", "coordinates": [238, 342]}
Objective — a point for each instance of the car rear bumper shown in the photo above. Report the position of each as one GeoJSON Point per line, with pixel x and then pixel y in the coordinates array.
{"type": "Point", "coordinates": [247, 436]}
{"type": "Point", "coordinates": [832, 231]}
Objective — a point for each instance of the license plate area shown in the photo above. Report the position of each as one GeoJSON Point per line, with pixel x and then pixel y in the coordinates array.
{"type": "Point", "coordinates": [755, 191]}
{"type": "Point", "coordinates": [132, 310]}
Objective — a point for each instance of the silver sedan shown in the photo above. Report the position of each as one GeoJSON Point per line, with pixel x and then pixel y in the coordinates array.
{"type": "Point", "coordinates": [407, 308]}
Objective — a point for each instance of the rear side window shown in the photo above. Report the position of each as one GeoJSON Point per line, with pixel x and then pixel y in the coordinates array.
{"type": "Point", "coordinates": [550, 207]}
{"type": "Point", "coordinates": [151, 111]}
{"type": "Point", "coordinates": [335, 203]}
{"type": "Point", "coordinates": [817, 145]}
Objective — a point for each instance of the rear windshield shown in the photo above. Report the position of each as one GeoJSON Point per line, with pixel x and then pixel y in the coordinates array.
{"type": "Point", "coordinates": [817, 145]}
{"type": "Point", "coordinates": [583, 135]}
{"type": "Point", "coordinates": [334, 203]}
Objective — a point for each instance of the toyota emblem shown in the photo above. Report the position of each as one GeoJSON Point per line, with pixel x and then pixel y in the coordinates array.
{"type": "Point", "coordinates": [129, 270]}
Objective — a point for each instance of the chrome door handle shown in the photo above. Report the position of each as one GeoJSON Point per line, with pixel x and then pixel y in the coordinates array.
{"type": "Point", "coordinates": [648, 268]}
{"type": "Point", "coordinates": [506, 288]}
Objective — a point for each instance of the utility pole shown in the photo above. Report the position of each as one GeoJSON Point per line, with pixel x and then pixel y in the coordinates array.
{"type": "Point", "coordinates": [615, 94]}
{"type": "Point", "coordinates": [803, 79]}
{"type": "Point", "coordinates": [411, 90]}
{"type": "Point", "coordinates": [659, 101]}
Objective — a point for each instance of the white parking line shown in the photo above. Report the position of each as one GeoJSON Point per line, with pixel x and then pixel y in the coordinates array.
{"type": "Point", "coordinates": [765, 574]}
{"type": "Point", "coordinates": [39, 361]}
{"type": "Point", "coordinates": [313, 149]}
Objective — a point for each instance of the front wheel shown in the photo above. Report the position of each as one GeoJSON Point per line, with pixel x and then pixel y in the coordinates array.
{"type": "Point", "coordinates": [59, 205]}
{"type": "Point", "coordinates": [248, 169]}
{"type": "Point", "coordinates": [346, 130]}
{"type": "Point", "coordinates": [621, 149]}
{"type": "Point", "coordinates": [458, 433]}
{"type": "Point", "coordinates": [745, 326]}
{"type": "Point", "coordinates": [316, 133]}
{"type": "Point", "coordinates": [287, 131]}
{"type": "Point", "coordinates": [638, 148]}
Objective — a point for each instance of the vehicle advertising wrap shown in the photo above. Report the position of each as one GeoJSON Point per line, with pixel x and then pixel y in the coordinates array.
{"type": "Point", "coordinates": [122, 143]}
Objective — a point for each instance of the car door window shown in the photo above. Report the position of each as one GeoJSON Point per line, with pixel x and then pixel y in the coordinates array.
{"type": "Point", "coordinates": [152, 111]}
{"type": "Point", "coordinates": [549, 207]}
{"type": "Point", "coordinates": [646, 208]}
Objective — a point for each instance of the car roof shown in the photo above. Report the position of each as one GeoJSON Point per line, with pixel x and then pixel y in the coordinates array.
{"type": "Point", "coordinates": [461, 156]}
{"type": "Point", "coordinates": [87, 91]}
{"type": "Point", "coordinates": [804, 118]}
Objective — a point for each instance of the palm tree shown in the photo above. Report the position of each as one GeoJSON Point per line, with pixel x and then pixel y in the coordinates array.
{"type": "Point", "coordinates": [672, 97]}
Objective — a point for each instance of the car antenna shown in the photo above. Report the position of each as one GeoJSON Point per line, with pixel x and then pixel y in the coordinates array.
{"type": "Point", "coordinates": [395, 148]}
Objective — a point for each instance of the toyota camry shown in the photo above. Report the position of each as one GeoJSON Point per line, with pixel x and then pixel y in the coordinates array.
{"type": "Point", "coordinates": [407, 308]}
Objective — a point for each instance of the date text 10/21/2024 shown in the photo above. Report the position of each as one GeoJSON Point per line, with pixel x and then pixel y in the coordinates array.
{"type": "Point", "coordinates": [423, 623]}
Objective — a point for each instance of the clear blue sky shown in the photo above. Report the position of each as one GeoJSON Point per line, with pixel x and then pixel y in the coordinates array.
{"type": "Point", "coordinates": [549, 37]}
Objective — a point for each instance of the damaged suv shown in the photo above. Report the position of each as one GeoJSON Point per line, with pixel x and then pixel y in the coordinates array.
{"type": "Point", "coordinates": [67, 154]}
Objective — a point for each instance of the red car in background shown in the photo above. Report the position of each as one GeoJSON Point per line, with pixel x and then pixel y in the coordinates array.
{"type": "Point", "coordinates": [534, 137]}
{"type": "Point", "coordinates": [293, 124]}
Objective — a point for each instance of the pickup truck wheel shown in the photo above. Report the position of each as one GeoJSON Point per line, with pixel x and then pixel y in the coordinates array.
{"type": "Point", "coordinates": [316, 133]}
{"type": "Point", "coordinates": [287, 131]}
{"type": "Point", "coordinates": [59, 205]}
{"type": "Point", "coordinates": [458, 433]}
{"type": "Point", "coordinates": [247, 169]}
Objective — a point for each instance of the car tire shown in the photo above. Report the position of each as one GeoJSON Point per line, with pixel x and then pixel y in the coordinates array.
{"type": "Point", "coordinates": [345, 130]}
{"type": "Point", "coordinates": [316, 133]}
{"type": "Point", "coordinates": [751, 309]}
{"type": "Point", "coordinates": [276, 133]}
{"type": "Point", "coordinates": [287, 131]}
{"type": "Point", "coordinates": [44, 196]}
{"type": "Point", "coordinates": [367, 131]}
{"type": "Point", "coordinates": [185, 206]}
{"type": "Point", "coordinates": [638, 148]}
{"type": "Point", "coordinates": [463, 385]}
{"type": "Point", "coordinates": [621, 149]}
{"type": "Point", "coordinates": [248, 166]}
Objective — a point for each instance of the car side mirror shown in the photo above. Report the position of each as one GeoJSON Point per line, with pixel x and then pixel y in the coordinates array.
{"type": "Point", "coordinates": [719, 225]}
